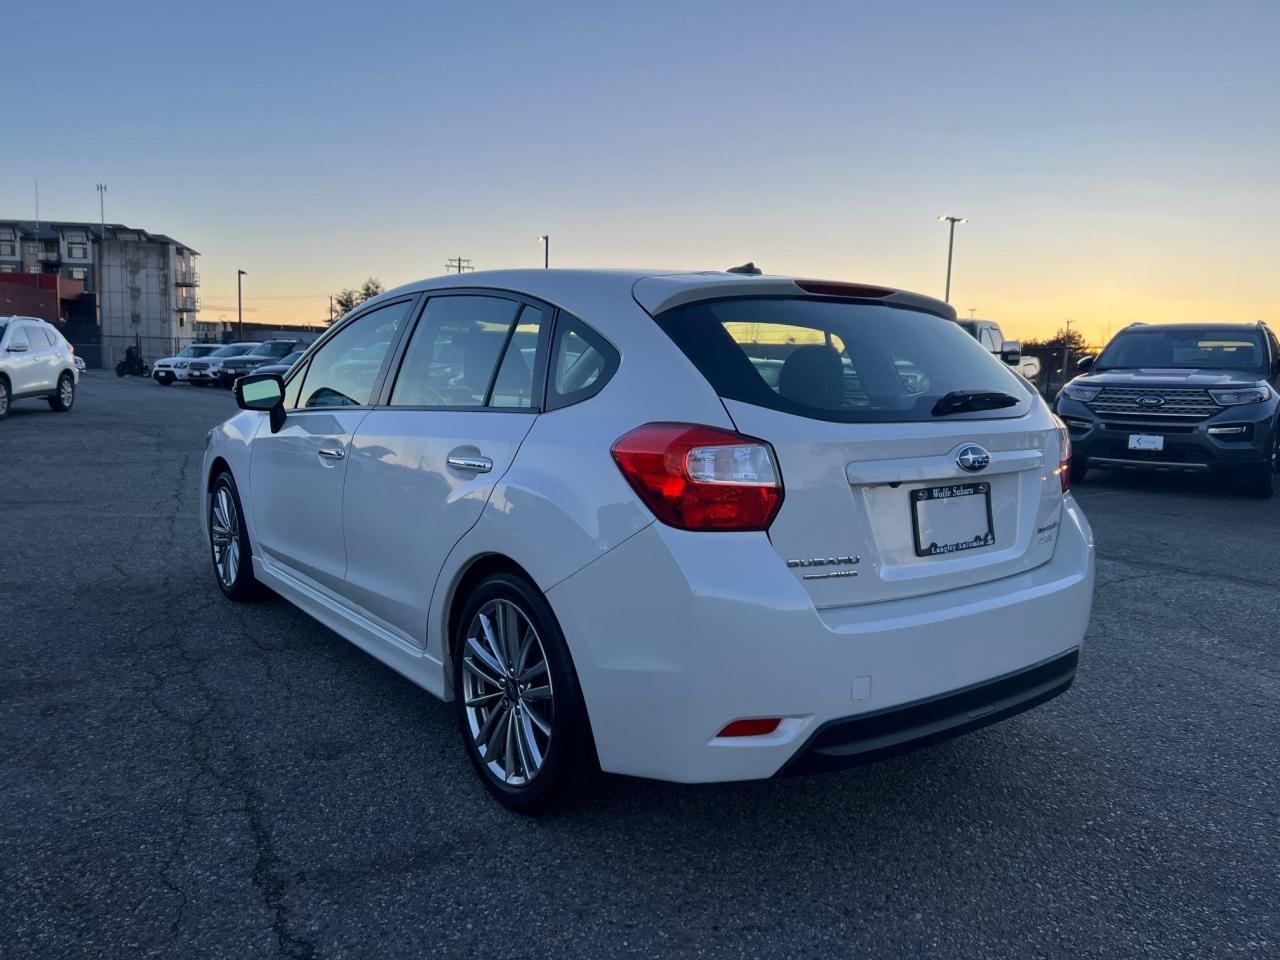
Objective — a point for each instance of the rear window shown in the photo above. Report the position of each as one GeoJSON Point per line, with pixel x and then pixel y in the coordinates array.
{"type": "Point", "coordinates": [1191, 349]}
{"type": "Point", "coordinates": [834, 360]}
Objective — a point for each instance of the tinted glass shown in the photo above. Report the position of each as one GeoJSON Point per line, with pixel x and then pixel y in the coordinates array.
{"type": "Point", "coordinates": [513, 386]}
{"type": "Point", "coordinates": [1194, 348]}
{"type": "Point", "coordinates": [581, 363]}
{"type": "Point", "coordinates": [454, 352]}
{"type": "Point", "coordinates": [291, 359]}
{"type": "Point", "coordinates": [233, 350]}
{"type": "Point", "coordinates": [343, 371]}
{"type": "Point", "coordinates": [838, 361]}
{"type": "Point", "coordinates": [273, 350]}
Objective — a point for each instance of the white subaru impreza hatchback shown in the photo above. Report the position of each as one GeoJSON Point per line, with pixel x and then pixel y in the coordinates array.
{"type": "Point", "coordinates": [690, 526]}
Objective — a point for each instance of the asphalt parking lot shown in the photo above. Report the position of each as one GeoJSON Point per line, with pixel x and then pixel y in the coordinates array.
{"type": "Point", "coordinates": [183, 777]}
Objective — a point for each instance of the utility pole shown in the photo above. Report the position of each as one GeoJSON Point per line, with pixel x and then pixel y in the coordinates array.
{"type": "Point", "coordinates": [1066, 348]}
{"type": "Point", "coordinates": [951, 245]}
{"type": "Point", "coordinates": [546, 250]}
{"type": "Point", "coordinates": [102, 241]}
{"type": "Point", "coordinates": [331, 309]}
{"type": "Point", "coordinates": [458, 265]}
{"type": "Point", "coordinates": [972, 311]}
{"type": "Point", "coordinates": [240, 275]}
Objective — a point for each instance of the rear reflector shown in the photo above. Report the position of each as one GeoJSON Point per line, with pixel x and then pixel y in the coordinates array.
{"type": "Point", "coordinates": [758, 727]}
{"type": "Point", "coordinates": [1064, 456]}
{"type": "Point", "coordinates": [832, 288]}
{"type": "Point", "coordinates": [701, 478]}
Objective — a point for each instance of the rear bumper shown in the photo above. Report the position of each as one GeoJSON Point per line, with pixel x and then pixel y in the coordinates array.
{"type": "Point", "coordinates": [674, 635]}
{"type": "Point", "coordinates": [886, 733]}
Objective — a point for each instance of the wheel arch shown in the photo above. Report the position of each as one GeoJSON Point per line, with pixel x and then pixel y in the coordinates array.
{"type": "Point", "coordinates": [478, 568]}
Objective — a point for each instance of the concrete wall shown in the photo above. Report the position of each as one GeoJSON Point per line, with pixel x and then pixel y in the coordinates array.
{"type": "Point", "coordinates": [137, 301]}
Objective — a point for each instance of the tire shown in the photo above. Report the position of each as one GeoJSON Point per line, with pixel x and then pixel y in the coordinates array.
{"type": "Point", "coordinates": [546, 759]}
{"type": "Point", "coordinates": [164, 380]}
{"type": "Point", "coordinates": [229, 542]}
{"type": "Point", "coordinates": [4, 398]}
{"type": "Point", "coordinates": [64, 397]}
{"type": "Point", "coordinates": [1259, 480]}
{"type": "Point", "coordinates": [120, 369]}
{"type": "Point", "coordinates": [1079, 469]}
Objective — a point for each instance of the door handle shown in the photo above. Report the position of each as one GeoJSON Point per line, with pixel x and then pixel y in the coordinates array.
{"type": "Point", "coordinates": [478, 464]}
{"type": "Point", "coordinates": [332, 453]}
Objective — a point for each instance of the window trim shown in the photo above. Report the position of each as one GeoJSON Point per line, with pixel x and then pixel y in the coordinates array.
{"type": "Point", "coordinates": [303, 366]}
{"type": "Point", "coordinates": [540, 361]}
{"type": "Point", "coordinates": [613, 360]}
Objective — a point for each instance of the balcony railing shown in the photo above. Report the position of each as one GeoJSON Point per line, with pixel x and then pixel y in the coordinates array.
{"type": "Point", "coordinates": [49, 256]}
{"type": "Point", "coordinates": [186, 304]}
{"type": "Point", "coordinates": [188, 279]}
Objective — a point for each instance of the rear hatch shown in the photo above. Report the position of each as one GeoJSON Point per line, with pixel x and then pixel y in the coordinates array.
{"type": "Point", "coordinates": [912, 460]}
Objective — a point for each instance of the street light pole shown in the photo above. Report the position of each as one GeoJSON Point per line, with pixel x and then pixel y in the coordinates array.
{"type": "Point", "coordinates": [102, 242]}
{"type": "Point", "coordinates": [240, 275]}
{"type": "Point", "coordinates": [546, 250]}
{"type": "Point", "coordinates": [951, 246]}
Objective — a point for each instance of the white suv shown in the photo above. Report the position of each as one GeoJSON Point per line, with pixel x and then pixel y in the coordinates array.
{"type": "Point", "coordinates": [692, 527]}
{"type": "Point", "coordinates": [170, 369]}
{"type": "Point", "coordinates": [35, 361]}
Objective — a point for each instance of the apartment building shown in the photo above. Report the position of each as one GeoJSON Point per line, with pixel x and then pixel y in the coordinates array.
{"type": "Point", "coordinates": [145, 283]}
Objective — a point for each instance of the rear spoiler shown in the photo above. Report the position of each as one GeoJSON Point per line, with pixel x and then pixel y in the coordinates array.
{"type": "Point", "coordinates": [660, 293]}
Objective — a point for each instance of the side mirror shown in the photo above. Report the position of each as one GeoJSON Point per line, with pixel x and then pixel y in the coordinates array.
{"type": "Point", "coordinates": [1011, 352]}
{"type": "Point", "coordinates": [17, 348]}
{"type": "Point", "coordinates": [1085, 362]}
{"type": "Point", "coordinates": [263, 392]}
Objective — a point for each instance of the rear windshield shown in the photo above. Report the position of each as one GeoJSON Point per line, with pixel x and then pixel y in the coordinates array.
{"type": "Point", "coordinates": [833, 360]}
{"type": "Point", "coordinates": [1191, 349]}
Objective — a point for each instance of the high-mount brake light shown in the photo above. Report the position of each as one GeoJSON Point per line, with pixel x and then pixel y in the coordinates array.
{"type": "Point", "coordinates": [834, 288]}
{"type": "Point", "coordinates": [701, 478]}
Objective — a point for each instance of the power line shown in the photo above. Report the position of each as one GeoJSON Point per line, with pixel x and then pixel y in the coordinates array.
{"type": "Point", "coordinates": [458, 265]}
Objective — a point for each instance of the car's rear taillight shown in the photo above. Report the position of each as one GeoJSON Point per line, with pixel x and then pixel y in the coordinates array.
{"type": "Point", "coordinates": [1064, 456]}
{"type": "Point", "coordinates": [701, 478]}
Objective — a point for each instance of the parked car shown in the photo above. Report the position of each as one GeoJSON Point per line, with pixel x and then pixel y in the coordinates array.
{"type": "Point", "coordinates": [79, 362]}
{"type": "Point", "coordinates": [269, 351]}
{"type": "Point", "coordinates": [206, 370]}
{"type": "Point", "coordinates": [1180, 398]}
{"type": "Point", "coordinates": [283, 366]}
{"type": "Point", "coordinates": [172, 369]}
{"type": "Point", "coordinates": [36, 361]}
{"type": "Point", "coordinates": [989, 334]}
{"type": "Point", "coordinates": [577, 505]}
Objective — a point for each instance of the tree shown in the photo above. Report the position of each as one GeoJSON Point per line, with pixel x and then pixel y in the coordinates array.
{"type": "Point", "coordinates": [344, 301]}
{"type": "Point", "coordinates": [1063, 338]}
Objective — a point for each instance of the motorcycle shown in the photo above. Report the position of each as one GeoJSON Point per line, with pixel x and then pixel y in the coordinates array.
{"type": "Point", "coordinates": [133, 365]}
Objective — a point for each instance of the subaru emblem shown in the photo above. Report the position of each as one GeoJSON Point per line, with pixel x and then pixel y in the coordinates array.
{"type": "Point", "coordinates": [1151, 400]}
{"type": "Point", "coordinates": [972, 458]}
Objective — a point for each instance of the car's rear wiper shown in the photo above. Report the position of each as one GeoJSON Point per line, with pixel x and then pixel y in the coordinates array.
{"type": "Point", "coordinates": [964, 401]}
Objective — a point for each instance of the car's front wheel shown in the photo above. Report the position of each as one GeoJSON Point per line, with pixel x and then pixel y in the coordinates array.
{"type": "Point", "coordinates": [519, 706]}
{"type": "Point", "coordinates": [229, 542]}
{"type": "Point", "coordinates": [4, 398]}
{"type": "Point", "coordinates": [164, 379]}
{"type": "Point", "coordinates": [65, 396]}
{"type": "Point", "coordinates": [1260, 479]}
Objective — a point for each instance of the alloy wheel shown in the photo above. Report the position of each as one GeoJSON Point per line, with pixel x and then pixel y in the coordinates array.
{"type": "Point", "coordinates": [66, 392]}
{"type": "Point", "coordinates": [4, 399]}
{"type": "Point", "coordinates": [225, 535]}
{"type": "Point", "coordinates": [508, 698]}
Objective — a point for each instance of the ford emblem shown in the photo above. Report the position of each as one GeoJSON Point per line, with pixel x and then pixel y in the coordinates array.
{"type": "Point", "coordinates": [1151, 400]}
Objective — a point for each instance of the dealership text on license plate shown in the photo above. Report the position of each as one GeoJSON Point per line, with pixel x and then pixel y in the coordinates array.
{"type": "Point", "coordinates": [952, 518]}
{"type": "Point", "coordinates": [1146, 441]}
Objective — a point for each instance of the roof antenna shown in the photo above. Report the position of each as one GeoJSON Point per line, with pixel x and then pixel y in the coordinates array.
{"type": "Point", "coordinates": [748, 268]}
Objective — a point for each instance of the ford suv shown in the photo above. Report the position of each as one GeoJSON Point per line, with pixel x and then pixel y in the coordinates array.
{"type": "Point", "coordinates": [1180, 398]}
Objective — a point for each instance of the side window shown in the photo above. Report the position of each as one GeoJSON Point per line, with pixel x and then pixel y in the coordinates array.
{"type": "Point", "coordinates": [453, 356]}
{"type": "Point", "coordinates": [581, 363]}
{"type": "Point", "coordinates": [343, 371]}
{"type": "Point", "coordinates": [513, 387]}
{"type": "Point", "coordinates": [38, 339]}
{"type": "Point", "coordinates": [18, 338]}
{"type": "Point", "coordinates": [987, 338]}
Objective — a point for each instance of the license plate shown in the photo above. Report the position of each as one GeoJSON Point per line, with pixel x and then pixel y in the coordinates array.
{"type": "Point", "coordinates": [1146, 441]}
{"type": "Point", "coordinates": [952, 518]}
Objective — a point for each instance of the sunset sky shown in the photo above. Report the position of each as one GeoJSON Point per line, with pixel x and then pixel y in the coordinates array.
{"type": "Point", "coordinates": [1117, 162]}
